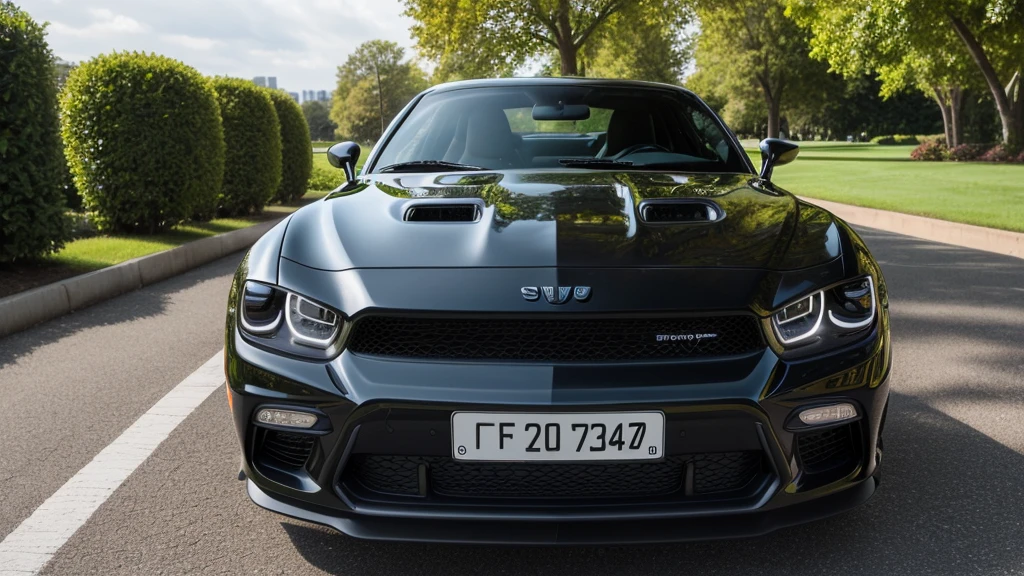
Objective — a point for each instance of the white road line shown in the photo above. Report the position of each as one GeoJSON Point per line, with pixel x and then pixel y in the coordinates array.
{"type": "Point", "coordinates": [35, 541]}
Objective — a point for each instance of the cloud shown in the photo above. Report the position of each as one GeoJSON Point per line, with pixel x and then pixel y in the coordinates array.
{"type": "Point", "coordinates": [301, 42]}
{"type": "Point", "coordinates": [191, 42]}
{"type": "Point", "coordinates": [104, 23]}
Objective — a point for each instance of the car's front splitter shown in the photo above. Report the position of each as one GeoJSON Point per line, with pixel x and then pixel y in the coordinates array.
{"type": "Point", "coordinates": [511, 531]}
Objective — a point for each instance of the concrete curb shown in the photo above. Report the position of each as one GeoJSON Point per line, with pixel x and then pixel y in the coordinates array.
{"type": "Point", "coordinates": [25, 309]}
{"type": "Point", "coordinates": [965, 235]}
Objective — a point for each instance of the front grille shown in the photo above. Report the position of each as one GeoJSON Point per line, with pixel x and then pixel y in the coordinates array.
{"type": "Point", "coordinates": [285, 448]}
{"type": "Point", "coordinates": [826, 450]}
{"type": "Point", "coordinates": [406, 475]}
{"type": "Point", "coordinates": [555, 339]}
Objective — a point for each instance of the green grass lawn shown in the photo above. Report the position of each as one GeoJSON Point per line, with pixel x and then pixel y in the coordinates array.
{"type": "Point", "coordinates": [101, 251]}
{"type": "Point", "coordinates": [885, 177]}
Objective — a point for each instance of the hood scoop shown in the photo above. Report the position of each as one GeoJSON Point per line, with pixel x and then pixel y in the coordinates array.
{"type": "Point", "coordinates": [442, 212]}
{"type": "Point", "coordinates": [680, 211]}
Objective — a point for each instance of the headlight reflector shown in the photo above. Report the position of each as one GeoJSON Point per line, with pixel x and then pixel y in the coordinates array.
{"type": "Point", "coordinates": [310, 323]}
{"type": "Point", "coordinates": [850, 308]}
{"type": "Point", "coordinates": [279, 319]}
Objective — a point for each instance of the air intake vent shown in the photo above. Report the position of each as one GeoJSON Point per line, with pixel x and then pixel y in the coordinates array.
{"type": "Point", "coordinates": [443, 213]}
{"type": "Point", "coordinates": [680, 212]}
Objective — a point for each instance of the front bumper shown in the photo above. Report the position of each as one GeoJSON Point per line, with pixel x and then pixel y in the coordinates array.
{"type": "Point", "coordinates": [743, 405]}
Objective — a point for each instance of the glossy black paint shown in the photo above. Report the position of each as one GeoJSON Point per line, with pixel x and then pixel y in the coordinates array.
{"type": "Point", "coordinates": [776, 152]}
{"type": "Point", "coordinates": [345, 156]}
{"type": "Point", "coordinates": [355, 252]}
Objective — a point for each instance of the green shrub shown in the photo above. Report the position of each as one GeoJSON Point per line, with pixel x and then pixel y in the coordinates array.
{"type": "Point", "coordinates": [252, 135]}
{"type": "Point", "coordinates": [296, 148]}
{"type": "Point", "coordinates": [896, 140]}
{"type": "Point", "coordinates": [144, 140]}
{"type": "Point", "coordinates": [32, 221]}
{"type": "Point", "coordinates": [326, 178]}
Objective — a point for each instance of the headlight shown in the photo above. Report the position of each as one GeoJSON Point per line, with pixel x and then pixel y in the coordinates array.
{"type": "Point", "coordinates": [276, 318]}
{"type": "Point", "coordinates": [827, 315]}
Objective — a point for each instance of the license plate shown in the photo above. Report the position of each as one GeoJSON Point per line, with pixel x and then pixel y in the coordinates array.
{"type": "Point", "coordinates": [517, 436]}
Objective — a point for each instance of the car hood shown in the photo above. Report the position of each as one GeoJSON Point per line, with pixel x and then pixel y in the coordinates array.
{"type": "Point", "coordinates": [559, 218]}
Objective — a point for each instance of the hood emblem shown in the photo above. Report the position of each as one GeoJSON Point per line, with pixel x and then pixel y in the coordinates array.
{"type": "Point", "coordinates": [556, 294]}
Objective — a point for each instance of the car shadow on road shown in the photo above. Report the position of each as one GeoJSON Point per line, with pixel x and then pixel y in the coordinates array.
{"type": "Point", "coordinates": [146, 302]}
{"type": "Point", "coordinates": [950, 503]}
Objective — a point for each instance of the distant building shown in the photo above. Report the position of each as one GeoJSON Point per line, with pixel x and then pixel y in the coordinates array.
{"type": "Point", "coordinates": [322, 96]}
{"type": "Point", "coordinates": [261, 81]}
{"type": "Point", "coordinates": [295, 96]}
{"type": "Point", "coordinates": [272, 82]}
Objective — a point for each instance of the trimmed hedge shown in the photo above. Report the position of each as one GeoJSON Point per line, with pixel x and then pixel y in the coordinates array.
{"type": "Point", "coordinates": [252, 134]}
{"type": "Point", "coordinates": [32, 219]}
{"type": "Point", "coordinates": [896, 140]}
{"type": "Point", "coordinates": [930, 151]}
{"type": "Point", "coordinates": [296, 148]}
{"type": "Point", "coordinates": [326, 179]}
{"type": "Point", "coordinates": [144, 141]}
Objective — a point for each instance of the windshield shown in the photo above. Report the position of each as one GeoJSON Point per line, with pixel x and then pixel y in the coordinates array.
{"type": "Point", "coordinates": [550, 126]}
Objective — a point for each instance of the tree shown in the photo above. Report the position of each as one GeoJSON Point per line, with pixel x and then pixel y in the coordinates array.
{"type": "Point", "coordinates": [478, 38]}
{"type": "Point", "coordinates": [318, 118]}
{"type": "Point", "coordinates": [751, 47]}
{"type": "Point", "coordinates": [374, 84]}
{"type": "Point", "coordinates": [32, 221]}
{"type": "Point", "coordinates": [934, 40]}
{"type": "Point", "coordinates": [652, 51]}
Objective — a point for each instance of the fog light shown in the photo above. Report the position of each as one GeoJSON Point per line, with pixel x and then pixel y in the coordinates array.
{"type": "Point", "coordinates": [289, 418]}
{"type": "Point", "coordinates": [828, 414]}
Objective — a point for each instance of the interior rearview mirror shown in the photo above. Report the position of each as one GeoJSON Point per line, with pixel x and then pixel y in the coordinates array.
{"type": "Point", "coordinates": [561, 111]}
{"type": "Point", "coordinates": [345, 156]}
{"type": "Point", "coordinates": [776, 152]}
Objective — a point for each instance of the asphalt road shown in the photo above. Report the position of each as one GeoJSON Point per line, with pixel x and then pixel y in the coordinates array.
{"type": "Point", "coordinates": [951, 501]}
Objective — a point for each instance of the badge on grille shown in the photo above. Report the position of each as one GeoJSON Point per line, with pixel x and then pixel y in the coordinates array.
{"type": "Point", "coordinates": [556, 294]}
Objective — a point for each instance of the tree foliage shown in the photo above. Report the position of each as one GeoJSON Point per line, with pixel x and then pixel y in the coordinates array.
{"type": "Point", "coordinates": [144, 140]}
{"type": "Point", "coordinates": [656, 48]}
{"type": "Point", "coordinates": [930, 43]}
{"type": "Point", "coordinates": [296, 148]}
{"type": "Point", "coordinates": [252, 137]}
{"type": "Point", "coordinates": [483, 38]}
{"type": "Point", "coordinates": [32, 221]}
{"type": "Point", "coordinates": [318, 120]}
{"type": "Point", "coordinates": [754, 50]}
{"type": "Point", "coordinates": [374, 84]}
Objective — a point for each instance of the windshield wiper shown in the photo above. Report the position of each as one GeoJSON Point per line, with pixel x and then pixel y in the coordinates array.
{"type": "Point", "coordinates": [593, 163]}
{"type": "Point", "coordinates": [429, 166]}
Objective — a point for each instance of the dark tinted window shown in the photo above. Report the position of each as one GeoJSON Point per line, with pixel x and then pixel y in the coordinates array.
{"type": "Point", "coordinates": [504, 127]}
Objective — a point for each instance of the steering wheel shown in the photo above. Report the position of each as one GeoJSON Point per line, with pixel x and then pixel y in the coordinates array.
{"type": "Point", "coordinates": [640, 148]}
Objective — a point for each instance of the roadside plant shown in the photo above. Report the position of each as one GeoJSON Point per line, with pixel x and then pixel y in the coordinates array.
{"type": "Point", "coordinates": [32, 220]}
{"type": "Point", "coordinates": [296, 148]}
{"type": "Point", "coordinates": [931, 151]}
{"type": "Point", "coordinates": [144, 141]}
{"type": "Point", "coordinates": [967, 152]}
{"type": "Point", "coordinates": [252, 138]}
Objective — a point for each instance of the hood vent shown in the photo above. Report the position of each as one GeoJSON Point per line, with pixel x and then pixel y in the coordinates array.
{"type": "Point", "coordinates": [442, 213]}
{"type": "Point", "coordinates": [680, 211]}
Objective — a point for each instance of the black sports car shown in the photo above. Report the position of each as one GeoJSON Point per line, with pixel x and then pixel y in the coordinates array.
{"type": "Point", "coordinates": [559, 311]}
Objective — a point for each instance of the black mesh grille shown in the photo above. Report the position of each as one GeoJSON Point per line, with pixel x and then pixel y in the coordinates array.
{"type": "Point", "coordinates": [555, 340]}
{"type": "Point", "coordinates": [826, 450]}
{"type": "Point", "coordinates": [285, 448]}
{"type": "Point", "coordinates": [716, 472]}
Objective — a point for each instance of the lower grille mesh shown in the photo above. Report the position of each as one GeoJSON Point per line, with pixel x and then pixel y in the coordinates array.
{"type": "Point", "coordinates": [713, 472]}
{"type": "Point", "coordinates": [285, 448]}
{"type": "Point", "coordinates": [555, 339]}
{"type": "Point", "coordinates": [826, 450]}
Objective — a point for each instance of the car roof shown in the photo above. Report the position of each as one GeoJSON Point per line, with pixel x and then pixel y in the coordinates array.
{"type": "Point", "coordinates": [552, 81]}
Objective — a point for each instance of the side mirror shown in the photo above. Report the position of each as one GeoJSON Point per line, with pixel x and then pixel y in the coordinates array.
{"type": "Point", "coordinates": [775, 152]}
{"type": "Point", "coordinates": [344, 156]}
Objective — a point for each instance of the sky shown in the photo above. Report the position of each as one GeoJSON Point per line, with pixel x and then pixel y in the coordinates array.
{"type": "Point", "coordinates": [301, 42]}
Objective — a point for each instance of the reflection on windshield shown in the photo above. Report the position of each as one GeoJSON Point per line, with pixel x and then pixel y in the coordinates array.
{"type": "Point", "coordinates": [561, 126]}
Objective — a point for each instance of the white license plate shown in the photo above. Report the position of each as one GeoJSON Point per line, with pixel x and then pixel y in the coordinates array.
{"type": "Point", "coordinates": [549, 436]}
